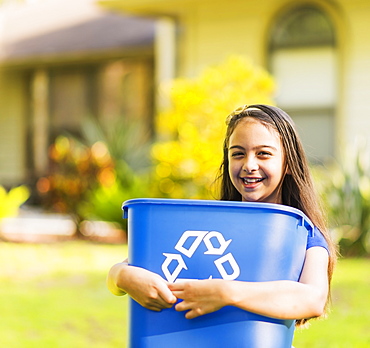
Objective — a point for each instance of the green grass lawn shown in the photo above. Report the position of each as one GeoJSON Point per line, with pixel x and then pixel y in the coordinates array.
{"type": "Point", "coordinates": [55, 296]}
{"type": "Point", "coordinates": [348, 323]}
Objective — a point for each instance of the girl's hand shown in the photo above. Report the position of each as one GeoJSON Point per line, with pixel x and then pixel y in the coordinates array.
{"type": "Point", "coordinates": [281, 299]}
{"type": "Point", "coordinates": [145, 287]}
{"type": "Point", "coordinates": [200, 296]}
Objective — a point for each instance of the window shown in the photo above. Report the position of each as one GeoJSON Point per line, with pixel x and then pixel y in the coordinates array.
{"type": "Point", "coordinates": [303, 62]}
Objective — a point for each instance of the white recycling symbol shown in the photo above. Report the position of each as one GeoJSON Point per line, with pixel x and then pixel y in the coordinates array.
{"type": "Point", "coordinates": [199, 237]}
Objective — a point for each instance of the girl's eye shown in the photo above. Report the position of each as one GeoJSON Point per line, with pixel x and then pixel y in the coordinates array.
{"type": "Point", "coordinates": [237, 154]}
{"type": "Point", "coordinates": [264, 154]}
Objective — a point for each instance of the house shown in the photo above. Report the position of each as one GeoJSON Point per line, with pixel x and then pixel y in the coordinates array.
{"type": "Point", "coordinates": [317, 51]}
{"type": "Point", "coordinates": [60, 61]}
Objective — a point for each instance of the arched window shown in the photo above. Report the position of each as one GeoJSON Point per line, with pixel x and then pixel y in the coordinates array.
{"type": "Point", "coordinates": [304, 64]}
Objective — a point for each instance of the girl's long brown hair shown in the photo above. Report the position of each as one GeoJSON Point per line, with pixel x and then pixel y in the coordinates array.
{"type": "Point", "coordinates": [297, 187]}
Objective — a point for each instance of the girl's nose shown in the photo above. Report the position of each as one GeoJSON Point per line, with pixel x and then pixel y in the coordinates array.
{"type": "Point", "coordinates": [250, 165]}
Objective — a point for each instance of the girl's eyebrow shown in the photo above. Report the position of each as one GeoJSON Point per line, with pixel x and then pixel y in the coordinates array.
{"type": "Point", "coordinates": [236, 147]}
{"type": "Point", "coordinates": [254, 148]}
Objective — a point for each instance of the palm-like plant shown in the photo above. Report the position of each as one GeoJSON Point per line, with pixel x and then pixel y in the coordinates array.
{"type": "Point", "coordinates": [346, 191]}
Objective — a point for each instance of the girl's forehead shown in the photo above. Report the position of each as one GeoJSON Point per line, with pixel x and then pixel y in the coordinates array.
{"type": "Point", "coordinates": [253, 129]}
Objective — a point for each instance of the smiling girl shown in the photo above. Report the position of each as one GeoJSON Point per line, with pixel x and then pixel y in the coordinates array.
{"type": "Point", "coordinates": [256, 162]}
{"type": "Point", "coordinates": [263, 161]}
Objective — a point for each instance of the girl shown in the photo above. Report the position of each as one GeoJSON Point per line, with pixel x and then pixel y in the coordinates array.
{"type": "Point", "coordinates": [263, 162]}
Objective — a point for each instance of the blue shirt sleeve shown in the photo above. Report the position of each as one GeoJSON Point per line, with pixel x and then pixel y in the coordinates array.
{"type": "Point", "coordinates": [317, 240]}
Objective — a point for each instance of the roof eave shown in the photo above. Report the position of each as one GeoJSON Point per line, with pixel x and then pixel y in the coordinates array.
{"type": "Point", "coordinates": [66, 58]}
{"type": "Point", "coordinates": [149, 8]}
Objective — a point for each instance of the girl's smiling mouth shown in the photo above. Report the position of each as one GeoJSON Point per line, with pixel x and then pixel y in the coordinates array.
{"type": "Point", "coordinates": [251, 181]}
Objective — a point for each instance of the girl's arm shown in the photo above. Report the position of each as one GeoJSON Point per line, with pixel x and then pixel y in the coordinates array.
{"type": "Point", "coordinates": [145, 287]}
{"type": "Point", "coordinates": [277, 299]}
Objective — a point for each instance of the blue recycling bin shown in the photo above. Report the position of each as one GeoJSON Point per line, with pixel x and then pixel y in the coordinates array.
{"type": "Point", "coordinates": [197, 239]}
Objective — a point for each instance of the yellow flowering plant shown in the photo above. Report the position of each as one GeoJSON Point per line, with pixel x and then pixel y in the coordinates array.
{"type": "Point", "coordinates": [190, 133]}
{"type": "Point", "coordinates": [11, 200]}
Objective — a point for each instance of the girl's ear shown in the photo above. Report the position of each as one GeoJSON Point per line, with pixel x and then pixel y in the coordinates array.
{"type": "Point", "coordinates": [287, 171]}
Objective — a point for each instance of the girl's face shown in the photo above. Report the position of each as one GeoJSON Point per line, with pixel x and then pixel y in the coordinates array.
{"type": "Point", "coordinates": [256, 162]}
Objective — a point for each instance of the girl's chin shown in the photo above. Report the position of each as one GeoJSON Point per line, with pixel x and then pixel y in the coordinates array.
{"type": "Point", "coordinates": [255, 199]}
{"type": "Point", "coordinates": [251, 199]}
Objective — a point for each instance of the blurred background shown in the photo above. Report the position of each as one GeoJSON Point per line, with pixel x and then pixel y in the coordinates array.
{"type": "Point", "coordinates": [104, 101]}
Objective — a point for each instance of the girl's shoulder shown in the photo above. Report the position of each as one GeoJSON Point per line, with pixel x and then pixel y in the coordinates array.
{"type": "Point", "coordinates": [317, 239]}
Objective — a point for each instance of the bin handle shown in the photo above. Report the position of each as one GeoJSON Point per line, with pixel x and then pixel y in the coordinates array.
{"type": "Point", "coordinates": [125, 212]}
{"type": "Point", "coordinates": [307, 224]}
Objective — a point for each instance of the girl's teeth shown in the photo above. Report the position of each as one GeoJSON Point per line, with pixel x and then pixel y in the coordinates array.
{"type": "Point", "coordinates": [251, 181]}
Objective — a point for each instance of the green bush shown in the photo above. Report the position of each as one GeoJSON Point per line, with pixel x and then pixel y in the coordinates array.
{"type": "Point", "coordinates": [104, 202]}
{"type": "Point", "coordinates": [92, 175]}
{"type": "Point", "coordinates": [345, 188]}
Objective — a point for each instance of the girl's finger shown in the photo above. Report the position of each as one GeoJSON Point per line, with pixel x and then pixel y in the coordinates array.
{"type": "Point", "coordinates": [176, 286]}
{"type": "Point", "coordinates": [178, 294]}
{"type": "Point", "coordinates": [168, 297]}
{"type": "Point", "coordinates": [158, 305]}
{"type": "Point", "coordinates": [183, 306]}
{"type": "Point", "coordinates": [192, 314]}
{"type": "Point", "coordinates": [165, 304]}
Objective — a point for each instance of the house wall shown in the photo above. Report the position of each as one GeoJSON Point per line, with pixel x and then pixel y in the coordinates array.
{"type": "Point", "coordinates": [211, 36]}
{"type": "Point", "coordinates": [212, 31]}
{"type": "Point", "coordinates": [38, 104]}
{"type": "Point", "coordinates": [356, 82]}
{"type": "Point", "coordinates": [12, 128]}
{"type": "Point", "coordinates": [125, 89]}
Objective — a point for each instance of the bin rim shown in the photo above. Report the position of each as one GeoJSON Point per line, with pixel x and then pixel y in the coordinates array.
{"type": "Point", "coordinates": [216, 203]}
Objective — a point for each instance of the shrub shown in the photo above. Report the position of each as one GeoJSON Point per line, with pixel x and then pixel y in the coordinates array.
{"type": "Point", "coordinates": [91, 176]}
{"type": "Point", "coordinates": [190, 133]}
{"type": "Point", "coordinates": [345, 188]}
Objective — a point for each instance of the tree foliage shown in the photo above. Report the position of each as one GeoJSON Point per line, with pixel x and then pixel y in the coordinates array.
{"type": "Point", "coordinates": [190, 133]}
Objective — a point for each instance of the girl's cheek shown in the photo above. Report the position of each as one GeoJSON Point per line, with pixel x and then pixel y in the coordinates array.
{"type": "Point", "coordinates": [231, 170]}
{"type": "Point", "coordinates": [234, 167]}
